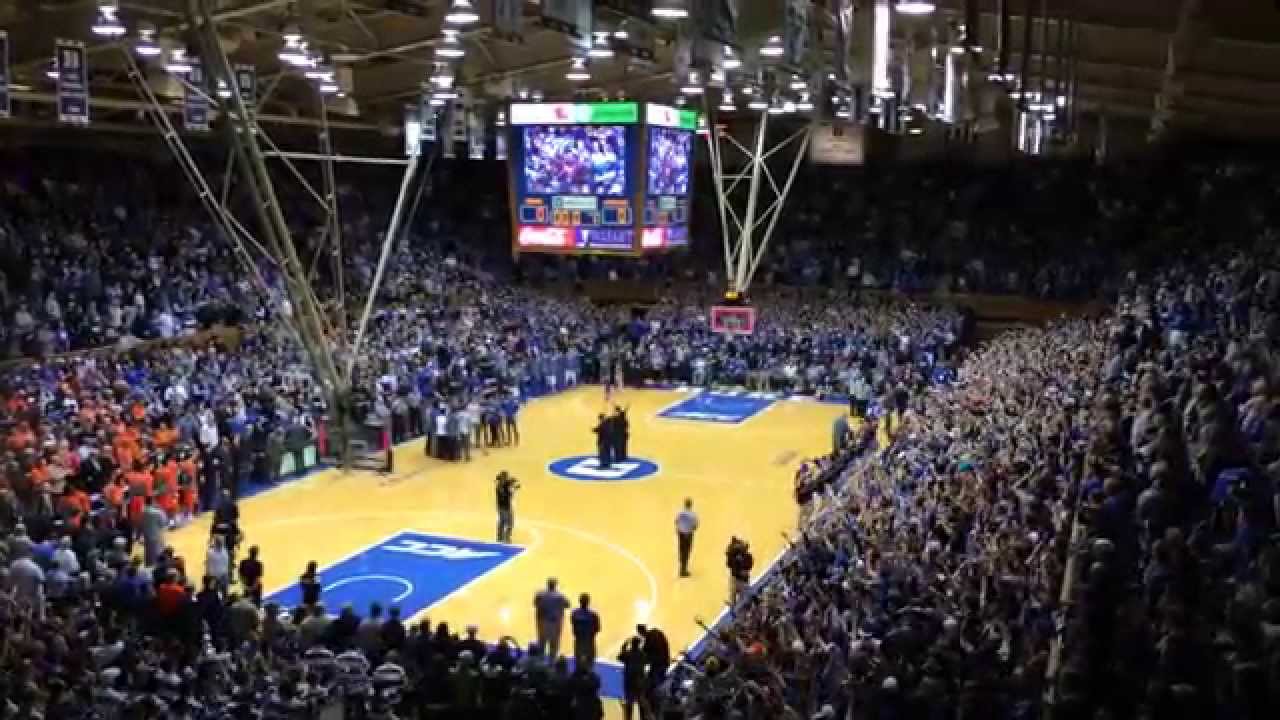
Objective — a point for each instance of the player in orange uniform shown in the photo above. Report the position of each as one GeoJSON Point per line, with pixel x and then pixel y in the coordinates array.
{"type": "Point", "coordinates": [188, 472]}
{"type": "Point", "coordinates": [166, 487]}
{"type": "Point", "coordinates": [140, 486]}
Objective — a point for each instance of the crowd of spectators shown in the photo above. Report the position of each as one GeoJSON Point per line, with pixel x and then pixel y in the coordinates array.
{"type": "Point", "coordinates": [105, 450]}
{"type": "Point", "coordinates": [1085, 523]}
{"type": "Point", "coordinates": [1091, 501]}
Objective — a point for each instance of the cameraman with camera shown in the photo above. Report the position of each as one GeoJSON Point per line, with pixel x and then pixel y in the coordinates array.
{"type": "Point", "coordinates": [739, 560]}
{"type": "Point", "coordinates": [505, 488]}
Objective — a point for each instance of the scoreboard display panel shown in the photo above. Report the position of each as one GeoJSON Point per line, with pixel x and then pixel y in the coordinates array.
{"type": "Point", "coordinates": [670, 134]}
{"type": "Point", "coordinates": [600, 177]}
{"type": "Point", "coordinates": [572, 174]}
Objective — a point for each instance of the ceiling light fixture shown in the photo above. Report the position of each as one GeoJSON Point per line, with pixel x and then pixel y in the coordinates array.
{"type": "Point", "coordinates": [772, 47]}
{"type": "Point", "coordinates": [692, 85]}
{"type": "Point", "coordinates": [578, 70]}
{"type": "Point", "coordinates": [600, 48]}
{"type": "Point", "coordinates": [915, 7]}
{"type": "Point", "coordinates": [147, 46]}
{"type": "Point", "coordinates": [178, 63]}
{"type": "Point", "coordinates": [294, 51]}
{"type": "Point", "coordinates": [107, 24]}
{"type": "Point", "coordinates": [442, 77]}
{"type": "Point", "coordinates": [461, 13]}
{"type": "Point", "coordinates": [731, 61]}
{"type": "Point", "coordinates": [450, 47]}
{"type": "Point", "coordinates": [670, 10]}
{"type": "Point", "coordinates": [319, 71]}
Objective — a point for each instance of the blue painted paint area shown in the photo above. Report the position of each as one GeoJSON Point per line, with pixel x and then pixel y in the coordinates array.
{"type": "Point", "coordinates": [587, 469]}
{"type": "Point", "coordinates": [728, 408]}
{"type": "Point", "coordinates": [411, 569]}
{"type": "Point", "coordinates": [610, 675]}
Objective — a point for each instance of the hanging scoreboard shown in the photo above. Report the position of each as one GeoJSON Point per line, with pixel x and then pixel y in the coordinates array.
{"type": "Point", "coordinates": [670, 134]}
{"type": "Point", "coordinates": [583, 176]}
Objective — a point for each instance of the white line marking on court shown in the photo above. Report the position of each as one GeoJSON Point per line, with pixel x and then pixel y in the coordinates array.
{"type": "Point", "coordinates": [408, 586]}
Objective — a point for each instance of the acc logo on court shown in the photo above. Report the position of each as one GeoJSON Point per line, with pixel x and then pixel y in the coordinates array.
{"type": "Point", "coordinates": [587, 467]}
{"type": "Point", "coordinates": [438, 550]}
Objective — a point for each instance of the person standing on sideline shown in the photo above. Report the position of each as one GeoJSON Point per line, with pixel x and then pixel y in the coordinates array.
{"type": "Point", "coordinates": [839, 433]}
{"type": "Point", "coordinates": [604, 441]}
{"type": "Point", "coordinates": [621, 434]}
{"type": "Point", "coordinates": [505, 488]}
{"type": "Point", "coordinates": [686, 524]}
{"type": "Point", "coordinates": [634, 678]}
{"type": "Point", "coordinates": [586, 625]}
{"type": "Point", "coordinates": [154, 525]}
{"type": "Point", "coordinates": [510, 415]}
{"type": "Point", "coordinates": [549, 607]}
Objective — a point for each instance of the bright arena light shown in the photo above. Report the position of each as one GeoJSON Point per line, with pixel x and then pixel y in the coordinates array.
{"type": "Point", "coordinates": [915, 7]}
{"type": "Point", "coordinates": [461, 13]}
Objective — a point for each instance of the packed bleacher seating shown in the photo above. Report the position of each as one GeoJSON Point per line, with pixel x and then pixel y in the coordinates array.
{"type": "Point", "coordinates": [1087, 515]}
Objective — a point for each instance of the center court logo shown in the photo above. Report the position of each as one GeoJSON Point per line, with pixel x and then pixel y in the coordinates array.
{"type": "Point", "coordinates": [587, 468]}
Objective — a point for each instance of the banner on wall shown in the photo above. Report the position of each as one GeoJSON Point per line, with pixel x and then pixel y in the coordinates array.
{"type": "Point", "coordinates": [195, 100]}
{"type": "Point", "coordinates": [795, 32]}
{"type": "Point", "coordinates": [448, 137]}
{"type": "Point", "coordinates": [427, 115]}
{"type": "Point", "coordinates": [4, 74]}
{"type": "Point", "coordinates": [836, 144]}
{"type": "Point", "coordinates": [247, 82]}
{"type": "Point", "coordinates": [500, 143]}
{"type": "Point", "coordinates": [571, 17]}
{"type": "Point", "coordinates": [508, 18]}
{"type": "Point", "coordinates": [73, 82]}
{"type": "Point", "coordinates": [475, 135]}
{"type": "Point", "coordinates": [412, 130]}
{"type": "Point", "coordinates": [841, 39]}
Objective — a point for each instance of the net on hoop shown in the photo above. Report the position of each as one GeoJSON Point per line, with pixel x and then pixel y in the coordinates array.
{"type": "Point", "coordinates": [733, 320]}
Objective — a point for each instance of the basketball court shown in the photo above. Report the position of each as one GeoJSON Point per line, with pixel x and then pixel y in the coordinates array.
{"type": "Point", "coordinates": [422, 537]}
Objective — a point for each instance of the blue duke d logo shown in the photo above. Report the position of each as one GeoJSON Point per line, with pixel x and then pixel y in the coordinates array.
{"type": "Point", "coordinates": [587, 468]}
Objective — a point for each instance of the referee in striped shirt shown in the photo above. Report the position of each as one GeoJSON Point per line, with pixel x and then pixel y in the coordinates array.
{"type": "Point", "coordinates": [686, 524]}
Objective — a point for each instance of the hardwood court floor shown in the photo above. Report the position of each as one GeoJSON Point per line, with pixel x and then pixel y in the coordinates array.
{"type": "Point", "coordinates": [614, 540]}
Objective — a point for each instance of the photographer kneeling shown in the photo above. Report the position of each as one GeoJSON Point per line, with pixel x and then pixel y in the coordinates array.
{"type": "Point", "coordinates": [739, 560]}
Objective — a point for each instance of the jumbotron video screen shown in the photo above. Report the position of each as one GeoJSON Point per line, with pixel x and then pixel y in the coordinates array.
{"type": "Point", "coordinates": [669, 176]}
{"type": "Point", "coordinates": [572, 170]}
{"type": "Point", "coordinates": [600, 177]}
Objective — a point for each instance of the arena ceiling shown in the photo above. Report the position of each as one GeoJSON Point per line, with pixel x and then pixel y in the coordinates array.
{"type": "Point", "coordinates": [1208, 65]}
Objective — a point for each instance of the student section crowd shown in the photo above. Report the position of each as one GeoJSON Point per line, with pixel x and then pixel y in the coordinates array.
{"type": "Point", "coordinates": [1084, 524]}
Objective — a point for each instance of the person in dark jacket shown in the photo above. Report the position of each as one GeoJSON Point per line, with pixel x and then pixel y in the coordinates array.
{"type": "Point", "coordinates": [634, 677]}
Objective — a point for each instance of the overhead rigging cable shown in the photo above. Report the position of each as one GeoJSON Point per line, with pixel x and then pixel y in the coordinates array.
{"type": "Point", "coordinates": [231, 229]}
